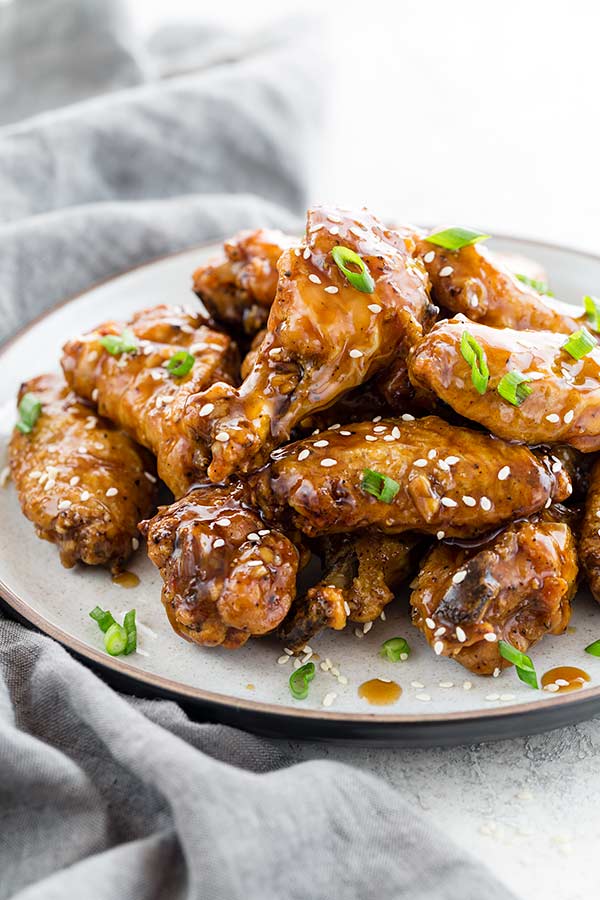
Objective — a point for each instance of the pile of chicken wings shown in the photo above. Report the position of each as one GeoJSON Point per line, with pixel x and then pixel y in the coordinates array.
{"type": "Point", "coordinates": [408, 410]}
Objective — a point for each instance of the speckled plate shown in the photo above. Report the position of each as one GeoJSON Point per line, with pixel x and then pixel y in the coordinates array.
{"type": "Point", "coordinates": [440, 703]}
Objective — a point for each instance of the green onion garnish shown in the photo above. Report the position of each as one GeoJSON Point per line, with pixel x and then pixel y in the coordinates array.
{"type": "Point", "coordinates": [456, 238]}
{"type": "Point", "coordinates": [514, 388]}
{"type": "Point", "coordinates": [579, 344]}
{"type": "Point", "coordinates": [592, 308]}
{"type": "Point", "coordinates": [117, 638]}
{"type": "Point", "coordinates": [593, 648]}
{"type": "Point", "coordinates": [395, 649]}
{"type": "Point", "coordinates": [120, 343]}
{"type": "Point", "coordinates": [30, 408]}
{"type": "Point", "coordinates": [540, 286]}
{"type": "Point", "coordinates": [474, 355]}
{"type": "Point", "coordinates": [299, 680]}
{"type": "Point", "coordinates": [362, 280]}
{"type": "Point", "coordinates": [380, 486]}
{"type": "Point", "coordinates": [522, 663]}
{"type": "Point", "coordinates": [180, 363]}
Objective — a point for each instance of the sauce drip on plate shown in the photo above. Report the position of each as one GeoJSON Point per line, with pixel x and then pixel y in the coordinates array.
{"type": "Point", "coordinates": [378, 692]}
{"type": "Point", "coordinates": [567, 678]}
{"type": "Point", "coordinates": [126, 579]}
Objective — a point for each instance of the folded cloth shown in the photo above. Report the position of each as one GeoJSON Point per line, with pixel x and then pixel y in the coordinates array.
{"type": "Point", "coordinates": [103, 796]}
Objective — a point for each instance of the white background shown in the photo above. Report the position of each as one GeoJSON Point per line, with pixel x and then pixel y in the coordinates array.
{"type": "Point", "coordinates": [486, 114]}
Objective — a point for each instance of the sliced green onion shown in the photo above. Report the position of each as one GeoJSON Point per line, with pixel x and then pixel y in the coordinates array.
{"type": "Point", "coordinates": [380, 486]}
{"type": "Point", "coordinates": [115, 640]}
{"type": "Point", "coordinates": [593, 648]}
{"type": "Point", "coordinates": [395, 649]}
{"type": "Point", "coordinates": [299, 680]}
{"type": "Point", "coordinates": [522, 663]}
{"type": "Point", "coordinates": [540, 286]}
{"type": "Point", "coordinates": [474, 355]}
{"type": "Point", "coordinates": [456, 238]}
{"type": "Point", "coordinates": [362, 280]}
{"type": "Point", "coordinates": [579, 344]}
{"type": "Point", "coordinates": [29, 409]}
{"type": "Point", "coordinates": [180, 363]}
{"type": "Point", "coordinates": [131, 632]}
{"type": "Point", "coordinates": [514, 388]}
{"type": "Point", "coordinates": [116, 344]}
{"type": "Point", "coordinates": [103, 617]}
{"type": "Point", "coordinates": [592, 308]}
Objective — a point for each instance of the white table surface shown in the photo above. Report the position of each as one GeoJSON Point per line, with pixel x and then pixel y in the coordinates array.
{"type": "Point", "coordinates": [480, 113]}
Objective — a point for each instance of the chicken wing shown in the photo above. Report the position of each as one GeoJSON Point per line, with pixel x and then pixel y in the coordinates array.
{"type": "Point", "coordinates": [135, 390]}
{"type": "Point", "coordinates": [226, 576]}
{"type": "Point", "coordinates": [564, 400]}
{"type": "Point", "coordinates": [83, 484]}
{"type": "Point", "coordinates": [239, 289]}
{"type": "Point", "coordinates": [516, 587]}
{"type": "Point", "coordinates": [361, 574]}
{"type": "Point", "coordinates": [324, 336]}
{"type": "Point", "coordinates": [446, 480]}
{"type": "Point", "coordinates": [474, 282]}
{"type": "Point", "coordinates": [589, 542]}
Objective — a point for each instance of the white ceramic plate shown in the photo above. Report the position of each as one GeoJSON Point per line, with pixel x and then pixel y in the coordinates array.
{"type": "Point", "coordinates": [248, 686]}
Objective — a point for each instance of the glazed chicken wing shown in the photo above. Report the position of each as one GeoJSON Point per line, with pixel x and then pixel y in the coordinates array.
{"type": "Point", "coordinates": [446, 480]}
{"type": "Point", "coordinates": [589, 543]}
{"type": "Point", "coordinates": [516, 587]}
{"type": "Point", "coordinates": [239, 289]}
{"type": "Point", "coordinates": [474, 282]}
{"type": "Point", "coordinates": [564, 400]}
{"type": "Point", "coordinates": [135, 390]}
{"type": "Point", "coordinates": [324, 336]}
{"type": "Point", "coordinates": [361, 573]}
{"type": "Point", "coordinates": [83, 484]}
{"type": "Point", "coordinates": [226, 576]}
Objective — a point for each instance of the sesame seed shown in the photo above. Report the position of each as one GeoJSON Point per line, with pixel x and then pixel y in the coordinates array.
{"type": "Point", "coordinates": [346, 607]}
{"type": "Point", "coordinates": [316, 228]}
{"type": "Point", "coordinates": [255, 562]}
{"type": "Point", "coordinates": [303, 455]}
{"type": "Point", "coordinates": [389, 437]}
{"type": "Point", "coordinates": [440, 535]}
{"type": "Point", "coordinates": [556, 466]}
{"type": "Point", "coordinates": [492, 697]}
{"type": "Point", "coordinates": [50, 483]}
{"type": "Point", "coordinates": [417, 684]}
{"type": "Point", "coordinates": [222, 436]}
{"type": "Point", "coordinates": [438, 647]}
{"type": "Point", "coordinates": [263, 531]}
{"type": "Point", "coordinates": [459, 577]}
{"type": "Point", "coordinates": [314, 278]}
{"type": "Point", "coordinates": [467, 685]}
{"type": "Point", "coordinates": [346, 433]}
{"type": "Point", "coordinates": [432, 454]}
{"type": "Point", "coordinates": [306, 253]}
{"type": "Point", "coordinates": [429, 257]}
{"type": "Point", "coordinates": [460, 634]}
{"type": "Point", "coordinates": [327, 463]}
{"type": "Point", "coordinates": [297, 663]}
{"type": "Point", "coordinates": [329, 698]}
{"type": "Point", "coordinates": [552, 688]}
{"type": "Point", "coordinates": [496, 672]}
{"type": "Point", "coordinates": [469, 501]}
{"type": "Point", "coordinates": [377, 419]}
{"type": "Point", "coordinates": [334, 427]}
{"type": "Point", "coordinates": [283, 659]}
{"type": "Point", "coordinates": [95, 395]}
{"type": "Point", "coordinates": [424, 698]}
{"type": "Point", "coordinates": [85, 495]}
{"type": "Point", "coordinates": [370, 438]}
{"type": "Point", "coordinates": [396, 433]}
{"type": "Point", "coordinates": [430, 623]}
{"type": "Point", "coordinates": [74, 480]}
{"type": "Point", "coordinates": [561, 682]}
{"type": "Point", "coordinates": [491, 637]}
{"type": "Point", "coordinates": [446, 684]}
{"type": "Point", "coordinates": [374, 307]}
{"type": "Point", "coordinates": [452, 460]}
{"type": "Point", "coordinates": [334, 230]}
{"type": "Point", "coordinates": [134, 543]}
{"type": "Point", "coordinates": [443, 465]}
{"type": "Point", "coordinates": [64, 504]}
{"type": "Point", "coordinates": [552, 417]}
{"type": "Point", "coordinates": [448, 501]}
{"type": "Point", "coordinates": [288, 651]}
{"type": "Point", "coordinates": [321, 443]}
{"type": "Point", "coordinates": [407, 417]}
{"type": "Point", "coordinates": [332, 289]}
{"type": "Point", "coordinates": [252, 536]}
{"type": "Point", "coordinates": [206, 409]}
{"type": "Point", "coordinates": [90, 422]}
{"type": "Point", "coordinates": [507, 696]}
{"type": "Point", "coordinates": [356, 354]}
{"type": "Point", "coordinates": [150, 477]}
{"type": "Point", "coordinates": [440, 631]}
{"type": "Point", "coordinates": [568, 417]}
{"type": "Point", "coordinates": [324, 667]}
{"type": "Point", "coordinates": [379, 429]}
{"type": "Point", "coordinates": [503, 473]}
{"type": "Point", "coordinates": [548, 503]}
{"type": "Point", "coordinates": [334, 218]}
{"type": "Point", "coordinates": [224, 521]}
{"type": "Point", "coordinates": [367, 627]}
{"type": "Point", "coordinates": [112, 492]}
{"type": "Point", "coordinates": [485, 503]}
{"type": "Point", "coordinates": [446, 270]}
{"type": "Point", "coordinates": [342, 679]}
{"type": "Point", "coordinates": [275, 351]}
{"type": "Point", "coordinates": [420, 463]}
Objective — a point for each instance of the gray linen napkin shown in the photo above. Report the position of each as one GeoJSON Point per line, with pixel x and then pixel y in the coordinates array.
{"type": "Point", "coordinates": [103, 796]}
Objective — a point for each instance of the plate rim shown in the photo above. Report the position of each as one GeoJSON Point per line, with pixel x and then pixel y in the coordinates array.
{"type": "Point", "coordinates": [186, 692]}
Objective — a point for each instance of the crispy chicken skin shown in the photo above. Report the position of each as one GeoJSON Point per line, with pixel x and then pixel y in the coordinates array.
{"type": "Point", "coordinates": [226, 577]}
{"type": "Point", "coordinates": [136, 392]}
{"type": "Point", "coordinates": [324, 337]}
{"type": "Point", "coordinates": [589, 542]}
{"type": "Point", "coordinates": [84, 484]}
{"type": "Point", "coordinates": [450, 479]}
{"type": "Point", "coordinates": [239, 289]}
{"type": "Point", "coordinates": [474, 282]}
{"type": "Point", "coordinates": [361, 573]}
{"type": "Point", "coordinates": [564, 406]}
{"type": "Point", "coordinates": [516, 587]}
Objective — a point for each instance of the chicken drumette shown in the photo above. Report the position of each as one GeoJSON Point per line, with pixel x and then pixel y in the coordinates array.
{"type": "Point", "coordinates": [325, 336]}
{"type": "Point", "coordinates": [134, 389]}
{"type": "Point", "coordinates": [226, 576]}
{"type": "Point", "coordinates": [515, 587]}
{"type": "Point", "coordinates": [562, 400]}
{"type": "Point", "coordinates": [446, 480]}
{"type": "Point", "coordinates": [84, 484]}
